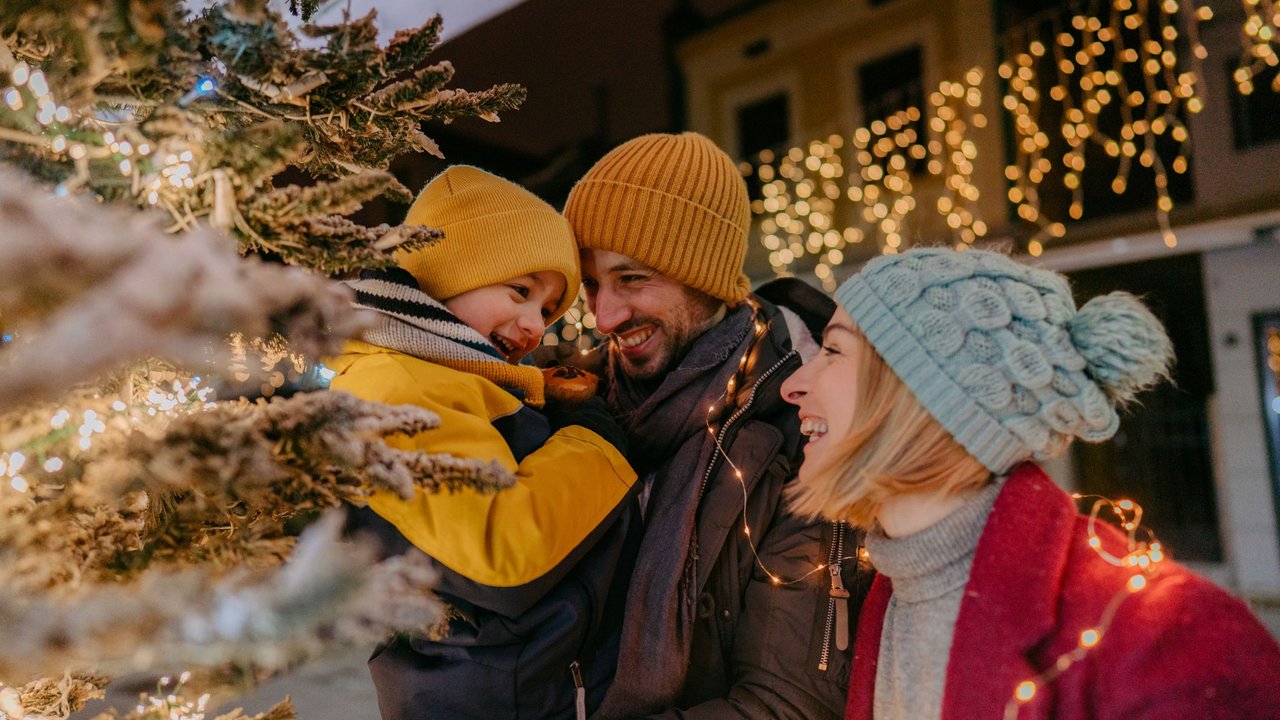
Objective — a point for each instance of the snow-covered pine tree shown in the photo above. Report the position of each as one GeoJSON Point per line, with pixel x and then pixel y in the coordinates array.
{"type": "Point", "coordinates": [150, 258]}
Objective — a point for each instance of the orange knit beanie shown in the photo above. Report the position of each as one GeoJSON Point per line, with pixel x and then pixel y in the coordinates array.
{"type": "Point", "coordinates": [676, 203]}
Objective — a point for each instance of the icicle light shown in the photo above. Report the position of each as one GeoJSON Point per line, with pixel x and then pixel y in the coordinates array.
{"type": "Point", "coordinates": [1094, 61]}
{"type": "Point", "coordinates": [1261, 36]}
{"type": "Point", "coordinates": [820, 198]}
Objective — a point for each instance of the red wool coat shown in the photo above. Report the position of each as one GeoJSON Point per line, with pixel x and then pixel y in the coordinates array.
{"type": "Point", "coordinates": [1180, 648]}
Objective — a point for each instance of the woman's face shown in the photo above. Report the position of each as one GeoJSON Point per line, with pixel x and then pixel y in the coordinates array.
{"type": "Point", "coordinates": [823, 391]}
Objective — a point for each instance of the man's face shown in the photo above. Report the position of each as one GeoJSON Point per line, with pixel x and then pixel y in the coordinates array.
{"type": "Point", "coordinates": [651, 319]}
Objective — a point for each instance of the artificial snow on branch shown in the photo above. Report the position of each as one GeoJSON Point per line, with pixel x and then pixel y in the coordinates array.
{"type": "Point", "coordinates": [142, 103]}
{"type": "Point", "coordinates": [88, 288]}
{"type": "Point", "coordinates": [329, 594]}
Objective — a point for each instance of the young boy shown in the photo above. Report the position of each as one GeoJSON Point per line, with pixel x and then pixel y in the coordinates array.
{"type": "Point", "coordinates": [535, 573]}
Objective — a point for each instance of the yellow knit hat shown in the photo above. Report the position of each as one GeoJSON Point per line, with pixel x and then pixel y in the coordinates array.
{"type": "Point", "coordinates": [494, 230]}
{"type": "Point", "coordinates": [673, 202]}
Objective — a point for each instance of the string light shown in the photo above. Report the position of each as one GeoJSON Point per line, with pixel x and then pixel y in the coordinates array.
{"type": "Point", "coordinates": [818, 199]}
{"type": "Point", "coordinates": [1092, 61]}
{"type": "Point", "coordinates": [727, 397]}
{"type": "Point", "coordinates": [1260, 36]}
{"type": "Point", "coordinates": [1143, 553]}
{"type": "Point", "coordinates": [578, 326]}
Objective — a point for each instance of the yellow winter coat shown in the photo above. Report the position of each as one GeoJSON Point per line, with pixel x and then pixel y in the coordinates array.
{"type": "Point", "coordinates": [565, 488]}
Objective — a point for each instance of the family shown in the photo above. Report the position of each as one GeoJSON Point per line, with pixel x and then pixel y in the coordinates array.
{"type": "Point", "coordinates": [775, 504]}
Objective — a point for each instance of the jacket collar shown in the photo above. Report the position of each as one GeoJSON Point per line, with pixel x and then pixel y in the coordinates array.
{"type": "Point", "coordinates": [1009, 606]}
{"type": "Point", "coordinates": [1010, 603]}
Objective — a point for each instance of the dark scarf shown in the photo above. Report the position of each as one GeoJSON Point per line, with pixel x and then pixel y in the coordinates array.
{"type": "Point", "coordinates": [661, 607]}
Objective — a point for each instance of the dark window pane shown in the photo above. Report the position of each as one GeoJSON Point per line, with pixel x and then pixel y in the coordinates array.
{"type": "Point", "coordinates": [1256, 116]}
{"type": "Point", "coordinates": [891, 83]}
{"type": "Point", "coordinates": [763, 125]}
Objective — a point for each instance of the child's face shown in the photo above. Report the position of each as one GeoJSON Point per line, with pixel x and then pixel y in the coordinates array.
{"type": "Point", "coordinates": [512, 314]}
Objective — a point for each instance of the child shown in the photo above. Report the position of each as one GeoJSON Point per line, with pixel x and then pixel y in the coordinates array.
{"type": "Point", "coordinates": [533, 573]}
{"type": "Point", "coordinates": [942, 373]}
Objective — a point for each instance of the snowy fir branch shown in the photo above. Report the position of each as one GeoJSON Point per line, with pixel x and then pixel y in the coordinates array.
{"type": "Point", "coordinates": [330, 593]}
{"type": "Point", "coordinates": [83, 303]}
{"type": "Point", "coordinates": [144, 104]}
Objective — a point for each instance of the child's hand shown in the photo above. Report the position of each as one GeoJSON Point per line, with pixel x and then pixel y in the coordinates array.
{"type": "Point", "coordinates": [593, 414]}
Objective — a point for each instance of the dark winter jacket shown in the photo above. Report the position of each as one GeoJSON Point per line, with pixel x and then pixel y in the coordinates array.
{"type": "Point", "coordinates": [756, 649]}
{"type": "Point", "coordinates": [535, 574]}
{"type": "Point", "coordinates": [1178, 648]}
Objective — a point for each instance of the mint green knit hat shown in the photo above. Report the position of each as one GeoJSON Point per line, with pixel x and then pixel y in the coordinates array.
{"type": "Point", "coordinates": [997, 352]}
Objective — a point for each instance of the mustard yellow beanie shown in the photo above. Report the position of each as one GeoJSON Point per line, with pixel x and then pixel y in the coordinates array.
{"type": "Point", "coordinates": [494, 230]}
{"type": "Point", "coordinates": [676, 203]}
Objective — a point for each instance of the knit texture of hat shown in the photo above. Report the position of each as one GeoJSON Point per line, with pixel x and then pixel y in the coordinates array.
{"type": "Point", "coordinates": [676, 203]}
{"type": "Point", "coordinates": [998, 354]}
{"type": "Point", "coordinates": [494, 231]}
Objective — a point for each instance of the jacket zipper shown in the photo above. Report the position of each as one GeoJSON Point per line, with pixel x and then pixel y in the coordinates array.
{"type": "Point", "coordinates": [579, 690]}
{"type": "Point", "coordinates": [711, 466]}
{"type": "Point", "coordinates": [837, 601]}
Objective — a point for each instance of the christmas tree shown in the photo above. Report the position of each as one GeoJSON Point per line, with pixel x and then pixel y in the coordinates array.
{"type": "Point", "coordinates": [155, 266]}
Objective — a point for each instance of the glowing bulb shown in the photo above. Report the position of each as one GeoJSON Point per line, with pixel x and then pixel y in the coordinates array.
{"type": "Point", "coordinates": [1089, 638]}
{"type": "Point", "coordinates": [1026, 690]}
{"type": "Point", "coordinates": [1136, 583]}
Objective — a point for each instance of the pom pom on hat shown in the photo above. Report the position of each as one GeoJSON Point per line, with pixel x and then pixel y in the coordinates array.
{"type": "Point", "coordinates": [1125, 346]}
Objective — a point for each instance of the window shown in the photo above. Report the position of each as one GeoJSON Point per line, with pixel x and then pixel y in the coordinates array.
{"type": "Point", "coordinates": [764, 124]}
{"type": "Point", "coordinates": [1047, 21]}
{"type": "Point", "coordinates": [1266, 329]}
{"type": "Point", "coordinates": [1256, 116]}
{"type": "Point", "coordinates": [891, 83]}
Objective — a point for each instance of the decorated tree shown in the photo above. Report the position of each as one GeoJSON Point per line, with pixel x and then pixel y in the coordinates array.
{"type": "Point", "coordinates": [167, 484]}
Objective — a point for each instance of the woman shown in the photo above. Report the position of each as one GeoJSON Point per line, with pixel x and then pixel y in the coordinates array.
{"type": "Point", "coordinates": [942, 374]}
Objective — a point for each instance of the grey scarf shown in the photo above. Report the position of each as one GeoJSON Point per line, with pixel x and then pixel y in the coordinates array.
{"type": "Point", "coordinates": [667, 432]}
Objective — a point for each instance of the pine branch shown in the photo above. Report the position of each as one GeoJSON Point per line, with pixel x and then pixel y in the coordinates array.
{"type": "Point", "coordinates": [127, 290]}
{"type": "Point", "coordinates": [329, 594]}
{"type": "Point", "coordinates": [57, 698]}
{"type": "Point", "coordinates": [222, 102]}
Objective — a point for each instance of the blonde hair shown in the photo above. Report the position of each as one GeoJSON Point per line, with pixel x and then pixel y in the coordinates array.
{"type": "Point", "coordinates": [894, 446]}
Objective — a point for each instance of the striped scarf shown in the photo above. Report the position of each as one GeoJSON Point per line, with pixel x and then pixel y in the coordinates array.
{"type": "Point", "coordinates": [411, 322]}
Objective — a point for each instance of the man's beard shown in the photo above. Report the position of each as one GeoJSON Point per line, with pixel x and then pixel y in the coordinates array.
{"type": "Point", "coordinates": [675, 341]}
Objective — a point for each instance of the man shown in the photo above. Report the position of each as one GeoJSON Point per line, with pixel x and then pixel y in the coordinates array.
{"type": "Point", "coordinates": [711, 630]}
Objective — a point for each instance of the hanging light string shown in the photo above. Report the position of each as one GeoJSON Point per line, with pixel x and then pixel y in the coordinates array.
{"type": "Point", "coordinates": [1137, 35]}
{"type": "Point", "coordinates": [811, 207]}
{"type": "Point", "coordinates": [1260, 36]}
{"type": "Point", "coordinates": [155, 175]}
{"type": "Point", "coordinates": [1142, 556]}
{"type": "Point", "coordinates": [735, 382]}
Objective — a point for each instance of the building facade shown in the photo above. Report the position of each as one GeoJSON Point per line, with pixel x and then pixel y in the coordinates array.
{"type": "Point", "coordinates": [1117, 149]}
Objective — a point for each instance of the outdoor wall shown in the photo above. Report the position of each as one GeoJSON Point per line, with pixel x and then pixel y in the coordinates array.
{"type": "Point", "coordinates": [1239, 283]}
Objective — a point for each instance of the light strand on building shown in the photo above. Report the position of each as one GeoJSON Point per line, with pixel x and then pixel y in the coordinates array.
{"type": "Point", "coordinates": [819, 198]}
{"type": "Point", "coordinates": [1094, 62]}
{"type": "Point", "coordinates": [1261, 37]}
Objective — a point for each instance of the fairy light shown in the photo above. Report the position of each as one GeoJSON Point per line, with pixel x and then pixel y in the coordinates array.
{"type": "Point", "coordinates": [578, 326]}
{"type": "Point", "coordinates": [1143, 554]}
{"type": "Point", "coordinates": [818, 199]}
{"type": "Point", "coordinates": [1260, 36]}
{"type": "Point", "coordinates": [1090, 62]}
{"type": "Point", "coordinates": [727, 398]}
